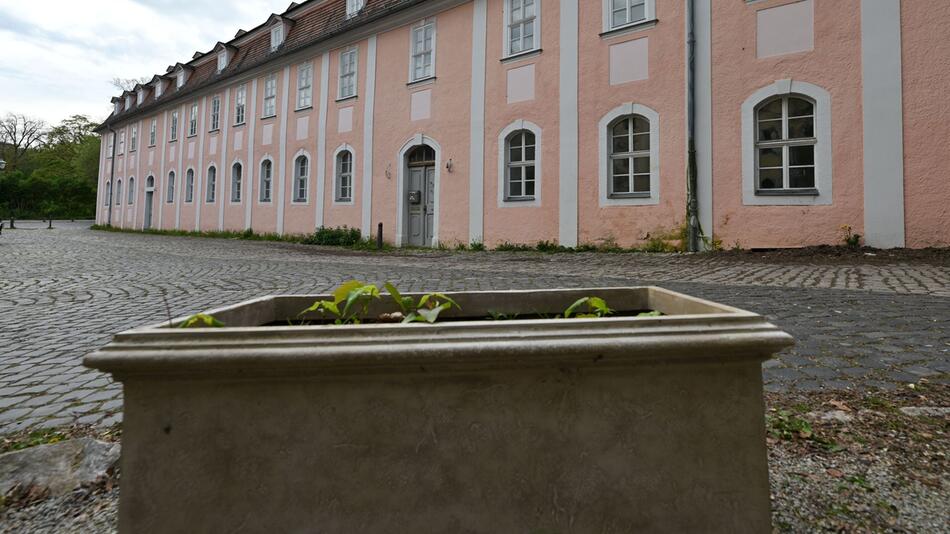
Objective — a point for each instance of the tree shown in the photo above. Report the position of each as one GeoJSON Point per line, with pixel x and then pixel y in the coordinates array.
{"type": "Point", "coordinates": [71, 131]}
{"type": "Point", "coordinates": [18, 135]}
{"type": "Point", "coordinates": [128, 84]}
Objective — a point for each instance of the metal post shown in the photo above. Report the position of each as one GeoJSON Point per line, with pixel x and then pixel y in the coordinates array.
{"type": "Point", "coordinates": [379, 237]}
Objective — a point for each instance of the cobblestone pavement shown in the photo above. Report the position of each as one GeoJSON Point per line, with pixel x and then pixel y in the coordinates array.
{"type": "Point", "coordinates": [64, 292]}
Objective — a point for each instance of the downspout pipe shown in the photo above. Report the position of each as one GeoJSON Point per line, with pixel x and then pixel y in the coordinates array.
{"type": "Point", "coordinates": [111, 177]}
{"type": "Point", "coordinates": [693, 231]}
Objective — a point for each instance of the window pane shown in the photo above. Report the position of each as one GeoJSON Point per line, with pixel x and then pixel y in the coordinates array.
{"type": "Point", "coordinates": [772, 110]}
{"type": "Point", "coordinates": [641, 142]}
{"type": "Point", "coordinates": [801, 177]}
{"type": "Point", "coordinates": [770, 130]}
{"type": "Point", "coordinates": [514, 155]}
{"type": "Point", "coordinates": [529, 185]}
{"type": "Point", "coordinates": [770, 179]}
{"type": "Point", "coordinates": [637, 13]}
{"type": "Point", "coordinates": [621, 144]}
{"type": "Point", "coordinates": [801, 128]}
{"type": "Point", "coordinates": [622, 128]}
{"type": "Point", "coordinates": [621, 184]}
{"type": "Point", "coordinates": [770, 157]}
{"type": "Point", "coordinates": [529, 153]}
{"type": "Point", "coordinates": [620, 17]}
{"type": "Point", "coordinates": [801, 155]}
{"type": "Point", "coordinates": [641, 184]}
{"type": "Point", "coordinates": [641, 165]}
{"type": "Point", "coordinates": [800, 108]}
{"type": "Point", "coordinates": [621, 167]}
{"type": "Point", "coordinates": [641, 125]}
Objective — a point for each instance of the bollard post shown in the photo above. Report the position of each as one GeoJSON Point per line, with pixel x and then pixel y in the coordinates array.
{"type": "Point", "coordinates": [12, 225]}
{"type": "Point", "coordinates": [379, 237]}
{"type": "Point", "coordinates": [50, 227]}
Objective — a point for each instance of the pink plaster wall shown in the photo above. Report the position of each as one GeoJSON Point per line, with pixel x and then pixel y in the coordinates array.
{"type": "Point", "coordinates": [926, 129]}
{"type": "Point", "coordinates": [835, 65]}
{"type": "Point", "coordinates": [664, 92]}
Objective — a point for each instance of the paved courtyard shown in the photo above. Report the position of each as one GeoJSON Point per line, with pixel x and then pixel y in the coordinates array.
{"type": "Point", "coordinates": [64, 292]}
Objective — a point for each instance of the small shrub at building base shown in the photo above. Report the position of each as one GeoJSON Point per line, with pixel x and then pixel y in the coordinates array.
{"type": "Point", "coordinates": [851, 239]}
{"type": "Point", "coordinates": [334, 237]}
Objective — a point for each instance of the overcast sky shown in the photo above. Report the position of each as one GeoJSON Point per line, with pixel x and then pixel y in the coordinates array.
{"type": "Point", "coordinates": [58, 57]}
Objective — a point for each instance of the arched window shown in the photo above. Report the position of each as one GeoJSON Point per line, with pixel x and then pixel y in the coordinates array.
{"type": "Point", "coordinates": [118, 192]}
{"type": "Point", "coordinates": [785, 144]}
{"type": "Point", "coordinates": [150, 182]}
{"type": "Point", "coordinates": [520, 156]}
{"type": "Point", "coordinates": [301, 173]}
{"type": "Point", "coordinates": [629, 159]}
{"type": "Point", "coordinates": [267, 177]}
{"type": "Point", "coordinates": [212, 184]}
{"type": "Point", "coordinates": [170, 188]}
{"type": "Point", "coordinates": [108, 196]}
{"type": "Point", "coordinates": [131, 191]}
{"type": "Point", "coordinates": [189, 186]}
{"type": "Point", "coordinates": [237, 173]}
{"type": "Point", "coordinates": [344, 176]}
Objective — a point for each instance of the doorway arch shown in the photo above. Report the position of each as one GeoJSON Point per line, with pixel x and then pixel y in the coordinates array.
{"type": "Point", "coordinates": [418, 149]}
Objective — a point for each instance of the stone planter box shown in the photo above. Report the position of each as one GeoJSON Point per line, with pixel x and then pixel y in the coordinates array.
{"type": "Point", "coordinates": [621, 424]}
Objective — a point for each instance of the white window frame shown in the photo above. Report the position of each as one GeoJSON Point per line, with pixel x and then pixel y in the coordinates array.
{"type": "Point", "coordinates": [821, 98]}
{"type": "Point", "coordinates": [211, 184]}
{"type": "Point", "coordinates": [107, 201]}
{"type": "Point", "coordinates": [170, 188]}
{"type": "Point", "coordinates": [355, 51]}
{"type": "Point", "coordinates": [649, 15]}
{"type": "Point", "coordinates": [304, 86]}
{"type": "Point", "coordinates": [193, 120]}
{"type": "Point", "coordinates": [415, 53]}
{"type": "Point", "coordinates": [215, 113]}
{"type": "Point", "coordinates": [236, 194]}
{"type": "Point", "coordinates": [153, 133]}
{"type": "Point", "coordinates": [240, 105]}
{"type": "Point", "coordinates": [222, 61]}
{"type": "Point", "coordinates": [269, 199]}
{"type": "Point", "coordinates": [122, 142]}
{"type": "Point", "coordinates": [111, 145]}
{"type": "Point", "coordinates": [509, 24]}
{"type": "Point", "coordinates": [337, 176]}
{"type": "Point", "coordinates": [270, 96]}
{"type": "Point", "coordinates": [173, 136]}
{"type": "Point", "coordinates": [158, 89]}
{"type": "Point", "coordinates": [140, 97]}
{"type": "Point", "coordinates": [353, 7]}
{"type": "Point", "coordinates": [604, 135]}
{"type": "Point", "coordinates": [118, 192]}
{"type": "Point", "coordinates": [131, 194]}
{"type": "Point", "coordinates": [128, 102]}
{"type": "Point", "coordinates": [189, 186]}
{"type": "Point", "coordinates": [295, 195]}
{"type": "Point", "coordinates": [276, 37]}
{"type": "Point", "coordinates": [179, 79]}
{"type": "Point", "coordinates": [503, 200]}
{"type": "Point", "coordinates": [133, 138]}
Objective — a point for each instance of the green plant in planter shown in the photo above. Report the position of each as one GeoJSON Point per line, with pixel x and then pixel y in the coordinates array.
{"type": "Point", "coordinates": [350, 301]}
{"type": "Point", "coordinates": [596, 307]}
{"type": "Point", "coordinates": [201, 320]}
{"type": "Point", "coordinates": [426, 310]}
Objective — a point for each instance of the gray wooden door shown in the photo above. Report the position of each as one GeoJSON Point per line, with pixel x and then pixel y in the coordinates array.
{"type": "Point", "coordinates": [148, 209]}
{"type": "Point", "coordinates": [421, 202]}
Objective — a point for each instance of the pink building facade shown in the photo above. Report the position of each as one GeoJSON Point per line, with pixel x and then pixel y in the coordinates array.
{"type": "Point", "coordinates": [460, 121]}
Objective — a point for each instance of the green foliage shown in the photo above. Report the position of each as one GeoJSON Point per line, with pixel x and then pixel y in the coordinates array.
{"type": "Point", "coordinates": [657, 244]}
{"type": "Point", "coordinates": [38, 437]}
{"type": "Point", "coordinates": [596, 307]}
{"type": "Point", "coordinates": [58, 178]}
{"type": "Point", "coordinates": [201, 320]}
{"type": "Point", "coordinates": [355, 298]}
{"type": "Point", "coordinates": [334, 237]}
{"type": "Point", "coordinates": [477, 246]}
{"type": "Point", "coordinates": [551, 246]}
{"type": "Point", "coordinates": [427, 309]}
{"type": "Point", "coordinates": [512, 247]}
{"type": "Point", "coordinates": [787, 426]}
{"type": "Point", "coordinates": [851, 239]}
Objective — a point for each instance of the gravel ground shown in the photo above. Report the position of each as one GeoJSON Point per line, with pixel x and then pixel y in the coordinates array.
{"type": "Point", "coordinates": [839, 462]}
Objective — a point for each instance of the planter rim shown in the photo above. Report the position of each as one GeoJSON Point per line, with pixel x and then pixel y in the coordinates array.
{"type": "Point", "coordinates": [719, 334]}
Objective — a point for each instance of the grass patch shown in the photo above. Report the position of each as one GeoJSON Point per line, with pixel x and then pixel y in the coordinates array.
{"type": "Point", "coordinates": [33, 439]}
{"type": "Point", "coordinates": [343, 237]}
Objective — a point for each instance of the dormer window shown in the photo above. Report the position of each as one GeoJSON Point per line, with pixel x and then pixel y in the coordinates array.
{"type": "Point", "coordinates": [140, 96]}
{"type": "Point", "coordinates": [158, 89]}
{"type": "Point", "coordinates": [222, 60]}
{"type": "Point", "coordinates": [353, 7]}
{"type": "Point", "coordinates": [180, 79]}
{"type": "Point", "coordinates": [118, 107]}
{"type": "Point", "coordinates": [128, 102]}
{"type": "Point", "coordinates": [276, 37]}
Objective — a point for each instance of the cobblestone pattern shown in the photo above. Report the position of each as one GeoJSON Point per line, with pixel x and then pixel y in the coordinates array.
{"type": "Point", "coordinates": [64, 292]}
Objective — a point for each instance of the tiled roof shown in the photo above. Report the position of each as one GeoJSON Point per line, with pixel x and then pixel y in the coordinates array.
{"type": "Point", "coordinates": [321, 23]}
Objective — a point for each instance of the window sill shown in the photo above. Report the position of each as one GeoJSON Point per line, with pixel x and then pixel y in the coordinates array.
{"type": "Point", "coordinates": [305, 108]}
{"type": "Point", "coordinates": [151, 146]}
{"type": "Point", "coordinates": [216, 130]}
{"type": "Point", "coordinates": [299, 201]}
{"type": "Point", "coordinates": [269, 117]}
{"type": "Point", "coordinates": [421, 81]}
{"type": "Point", "coordinates": [343, 201]}
{"type": "Point", "coordinates": [629, 28]}
{"type": "Point", "coordinates": [192, 136]}
{"type": "Point", "coordinates": [511, 58]}
{"type": "Point", "coordinates": [346, 98]}
{"type": "Point", "coordinates": [620, 196]}
{"type": "Point", "coordinates": [170, 141]}
{"type": "Point", "coordinates": [238, 125]}
{"type": "Point", "coordinates": [787, 192]}
{"type": "Point", "coordinates": [518, 200]}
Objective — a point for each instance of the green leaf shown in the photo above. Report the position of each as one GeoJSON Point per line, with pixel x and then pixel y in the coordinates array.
{"type": "Point", "coordinates": [342, 292]}
{"type": "Point", "coordinates": [573, 307]}
{"type": "Point", "coordinates": [599, 306]}
{"type": "Point", "coordinates": [363, 292]}
{"type": "Point", "coordinates": [201, 320]}
{"type": "Point", "coordinates": [650, 314]}
{"type": "Point", "coordinates": [397, 296]}
{"type": "Point", "coordinates": [431, 316]}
